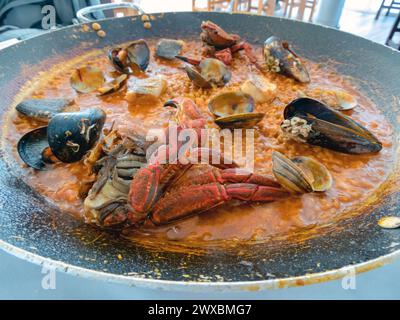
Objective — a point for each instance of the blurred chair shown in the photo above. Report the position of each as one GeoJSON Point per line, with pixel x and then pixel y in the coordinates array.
{"type": "Point", "coordinates": [212, 5]}
{"type": "Point", "coordinates": [302, 5]}
{"type": "Point", "coordinates": [395, 29]}
{"type": "Point", "coordinates": [393, 5]}
{"type": "Point", "coordinates": [261, 6]}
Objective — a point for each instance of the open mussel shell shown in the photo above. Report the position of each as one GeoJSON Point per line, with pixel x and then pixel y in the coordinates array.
{"type": "Point", "coordinates": [113, 85]}
{"type": "Point", "coordinates": [87, 79]}
{"type": "Point", "coordinates": [31, 146]}
{"type": "Point", "coordinates": [300, 174]}
{"type": "Point", "coordinates": [42, 109]}
{"type": "Point", "coordinates": [231, 103]}
{"type": "Point", "coordinates": [168, 48]}
{"type": "Point", "coordinates": [138, 54]}
{"type": "Point", "coordinates": [72, 135]}
{"type": "Point", "coordinates": [281, 59]}
{"type": "Point", "coordinates": [311, 121]}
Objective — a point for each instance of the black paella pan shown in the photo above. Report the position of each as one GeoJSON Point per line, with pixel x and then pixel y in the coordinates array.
{"type": "Point", "coordinates": [34, 230]}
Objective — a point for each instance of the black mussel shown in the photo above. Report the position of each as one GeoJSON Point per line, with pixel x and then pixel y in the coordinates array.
{"type": "Point", "coordinates": [87, 79]}
{"type": "Point", "coordinates": [67, 138]}
{"type": "Point", "coordinates": [72, 135]}
{"type": "Point", "coordinates": [31, 146]}
{"type": "Point", "coordinates": [136, 56]}
{"type": "Point", "coordinates": [311, 121]}
{"type": "Point", "coordinates": [42, 109]}
{"type": "Point", "coordinates": [281, 59]}
{"type": "Point", "coordinates": [168, 48]}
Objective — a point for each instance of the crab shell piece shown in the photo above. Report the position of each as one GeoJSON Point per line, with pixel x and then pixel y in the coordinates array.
{"type": "Point", "coordinates": [281, 59]}
{"type": "Point", "coordinates": [311, 121]}
{"type": "Point", "coordinates": [87, 79]}
{"type": "Point", "coordinates": [300, 174]}
{"type": "Point", "coordinates": [215, 36]}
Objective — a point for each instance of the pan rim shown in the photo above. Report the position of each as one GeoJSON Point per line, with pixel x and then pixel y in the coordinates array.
{"type": "Point", "coordinates": [197, 286]}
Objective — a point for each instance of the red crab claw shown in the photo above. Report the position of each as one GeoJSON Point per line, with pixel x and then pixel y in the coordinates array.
{"type": "Point", "coordinates": [211, 191]}
{"type": "Point", "coordinates": [150, 183]}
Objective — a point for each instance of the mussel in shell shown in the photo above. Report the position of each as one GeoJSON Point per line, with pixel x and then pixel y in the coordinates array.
{"type": "Point", "coordinates": [168, 48]}
{"type": "Point", "coordinates": [234, 110]}
{"type": "Point", "coordinates": [42, 109]}
{"type": "Point", "coordinates": [207, 73]}
{"type": "Point", "coordinates": [136, 56]}
{"type": "Point", "coordinates": [311, 121]}
{"type": "Point", "coordinates": [280, 58]}
{"type": "Point", "coordinates": [300, 174]}
{"type": "Point", "coordinates": [67, 138]}
{"type": "Point", "coordinates": [87, 79]}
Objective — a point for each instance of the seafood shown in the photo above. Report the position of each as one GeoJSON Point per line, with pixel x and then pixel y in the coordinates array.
{"type": "Point", "coordinates": [42, 109]}
{"type": "Point", "coordinates": [234, 110]}
{"type": "Point", "coordinates": [152, 87]}
{"type": "Point", "coordinates": [281, 59]}
{"type": "Point", "coordinates": [221, 45]}
{"type": "Point", "coordinates": [335, 98]}
{"type": "Point", "coordinates": [106, 201]}
{"type": "Point", "coordinates": [311, 121]}
{"type": "Point", "coordinates": [113, 85]}
{"type": "Point", "coordinates": [389, 222]}
{"type": "Point", "coordinates": [87, 79]}
{"type": "Point", "coordinates": [169, 48]}
{"type": "Point", "coordinates": [207, 73]}
{"type": "Point", "coordinates": [133, 58]}
{"type": "Point", "coordinates": [300, 174]}
{"type": "Point", "coordinates": [67, 138]}
{"type": "Point", "coordinates": [260, 89]}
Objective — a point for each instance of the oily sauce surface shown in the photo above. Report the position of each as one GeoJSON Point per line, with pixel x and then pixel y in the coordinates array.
{"type": "Point", "coordinates": [356, 177]}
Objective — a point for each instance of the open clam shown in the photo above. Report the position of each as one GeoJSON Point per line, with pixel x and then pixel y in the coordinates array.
{"type": "Point", "coordinates": [300, 174]}
{"type": "Point", "coordinates": [113, 85]}
{"type": "Point", "coordinates": [311, 121]}
{"type": "Point", "coordinates": [87, 79]}
{"type": "Point", "coordinates": [42, 109]}
{"type": "Point", "coordinates": [136, 56]}
{"type": "Point", "coordinates": [67, 138]}
{"type": "Point", "coordinates": [280, 58]}
{"type": "Point", "coordinates": [234, 110]}
{"type": "Point", "coordinates": [207, 73]}
{"type": "Point", "coordinates": [337, 99]}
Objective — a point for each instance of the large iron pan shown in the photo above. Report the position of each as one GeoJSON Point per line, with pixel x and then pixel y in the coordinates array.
{"type": "Point", "coordinates": [34, 230]}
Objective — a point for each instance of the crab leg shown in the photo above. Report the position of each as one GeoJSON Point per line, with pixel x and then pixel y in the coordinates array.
{"type": "Point", "coordinates": [200, 198]}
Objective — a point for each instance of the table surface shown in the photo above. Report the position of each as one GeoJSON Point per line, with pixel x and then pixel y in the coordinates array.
{"type": "Point", "coordinates": [22, 280]}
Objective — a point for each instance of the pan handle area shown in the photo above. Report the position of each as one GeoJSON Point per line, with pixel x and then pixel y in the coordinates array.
{"type": "Point", "coordinates": [106, 6]}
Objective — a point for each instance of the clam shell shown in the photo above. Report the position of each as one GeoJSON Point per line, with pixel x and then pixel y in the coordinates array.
{"type": "Point", "coordinates": [389, 222]}
{"type": "Point", "coordinates": [231, 103]}
{"type": "Point", "coordinates": [87, 79]}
